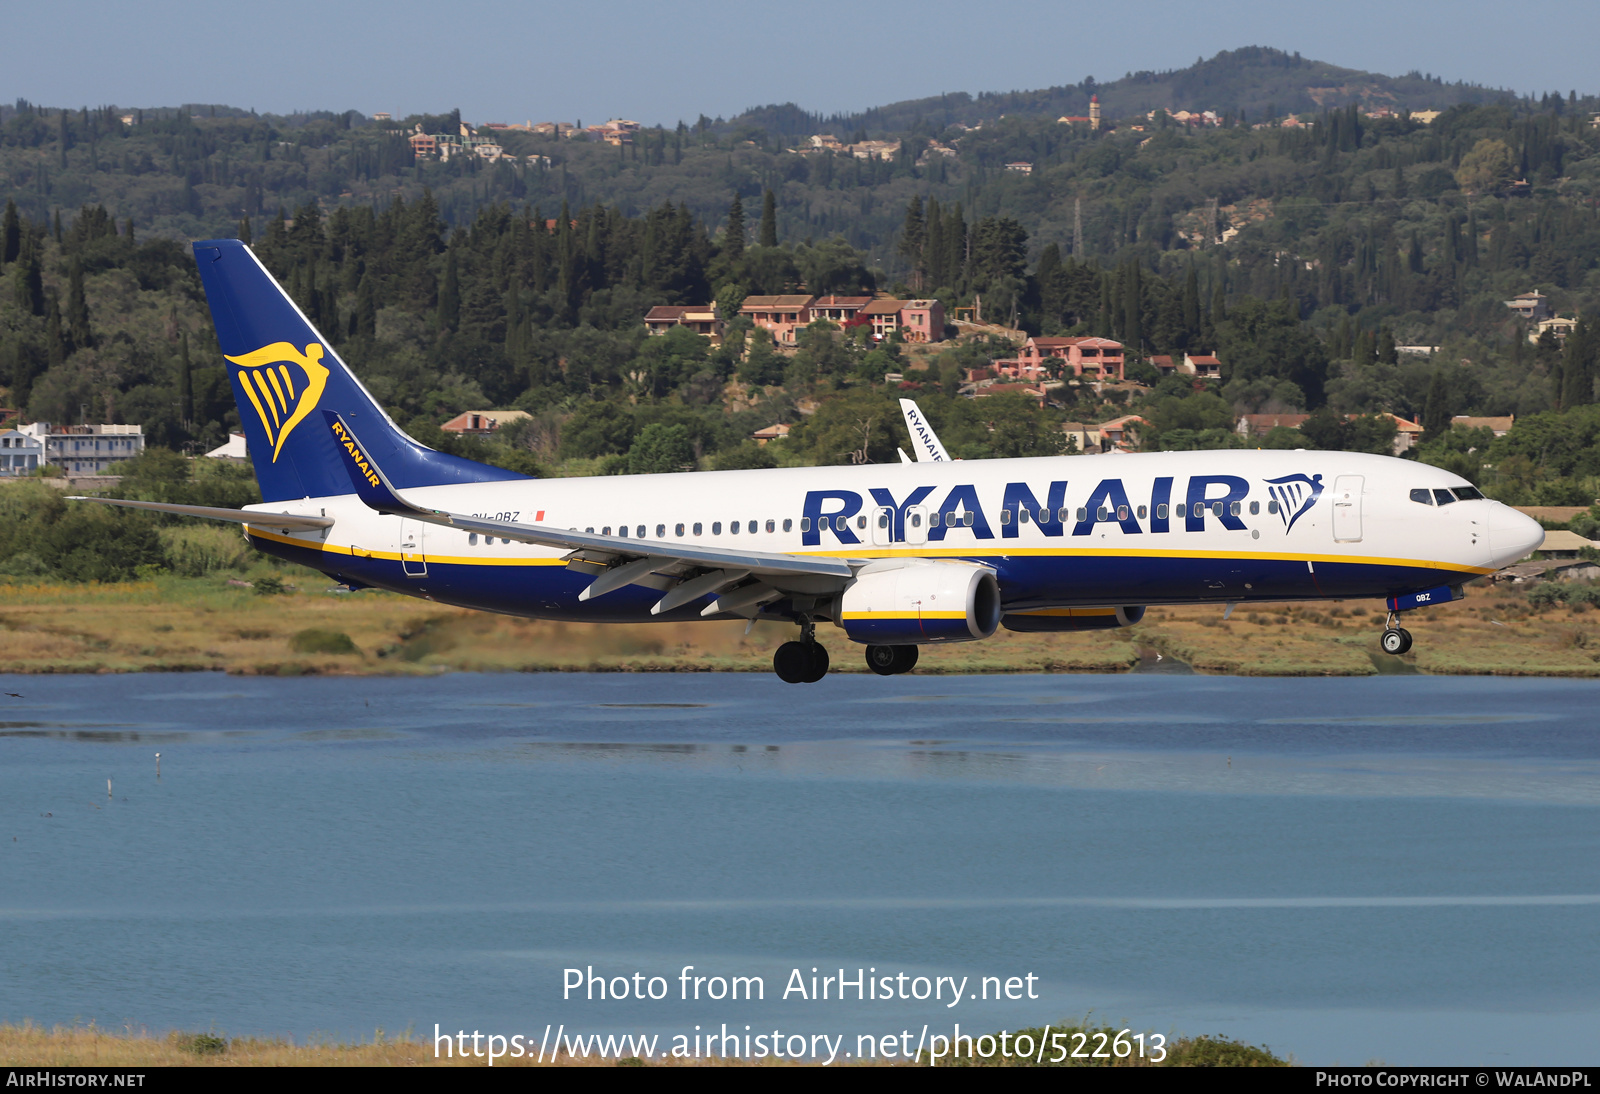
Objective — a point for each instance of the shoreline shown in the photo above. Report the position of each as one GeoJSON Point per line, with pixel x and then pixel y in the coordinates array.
{"type": "Point", "coordinates": [173, 624]}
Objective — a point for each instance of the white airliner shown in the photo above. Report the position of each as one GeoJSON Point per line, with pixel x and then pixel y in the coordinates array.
{"type": "Point", "coordinates": [897, 555]}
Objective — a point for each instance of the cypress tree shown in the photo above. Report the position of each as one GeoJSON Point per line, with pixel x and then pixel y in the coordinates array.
{"type": "Point", "coordinates": [912, 234]}
{"type": "Point", "coordinates": [450, 295]}
{"type": "Point", "coordinates": [77, 307]}
{"type": "Point", "coordinates": [55, 342]}
{"type": "Point", "coordinates": [933, 247]}
{"type": "Point", "coordinates": [1132, 306]}
{"type": "Point", "coordinates": [10, 234]}
{"type": "Point", "coordinates": [243, 234]}
{"type": "Point", "coordinates": [28, 286]}
{"type": "Point", "coordinates": [769, 219]}
{"type": "Point", "coordinates": [58, 226]}
{"type": "Point", "coordinates": [364, 321]}
{"type": "Point", "coordinates": [1436, 409]}
{"type": "Point", "coordinates": [1191, 308]}
{"type": "Point", "coordinates": [185, 382]}
{"type": "Point", "coordinates": [1577, 375]}
{"type": "Point", "coordinates": [733, 242]}
{"type": "Point", "coordinates": [127, 230]}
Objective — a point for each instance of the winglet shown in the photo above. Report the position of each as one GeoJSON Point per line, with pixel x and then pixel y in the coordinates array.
{"type": "Point", "coordinates": [371, 486]}
{"type": "Point", "coordinates": [923, 438]}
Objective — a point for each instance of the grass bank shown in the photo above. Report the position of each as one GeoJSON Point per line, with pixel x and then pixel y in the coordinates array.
{"type": "Point", "coordinates": [177, 624]}
{"type": "Point", "coordinates": [88, 1046]}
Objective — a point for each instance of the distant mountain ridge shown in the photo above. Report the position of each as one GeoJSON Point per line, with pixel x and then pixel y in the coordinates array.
{"type": "Point", "coordinates": [1255, 79]}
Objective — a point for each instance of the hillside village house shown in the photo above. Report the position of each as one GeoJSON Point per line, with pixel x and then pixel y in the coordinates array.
{"type": "Point", "coordinates": [1085, 357]}
{"type": "Point", "coordinates": [481, 423]}
{"type": "Point", "coordinates": [700, 318]}
{"type": "Point", "coordinates": [1531, 306]}
{"type": "Point", "coordinates": [86, 449]}
{"type": "Point", "coordinates": [916, 320]}
{"type": "Point", "coordinates": [780, 316]}
{"type": "Point", "coordinates": [1500, 426]}
{"type": "Point", "coordinates": [1559, 326]}
{"type": "Point", "coordinates": [838, 309]}
{"type": "Point", "coordinates": [1256, 426]}
{"type": "Point", "coordinates": [20, 454]}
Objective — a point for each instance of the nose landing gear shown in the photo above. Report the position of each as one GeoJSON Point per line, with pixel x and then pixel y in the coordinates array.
{"type": "Point", "coordinates": [1396, 639]}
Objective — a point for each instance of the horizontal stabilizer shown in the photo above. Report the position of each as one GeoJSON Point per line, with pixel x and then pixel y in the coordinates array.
{"type": "Point", "coordinates": [237, 516]}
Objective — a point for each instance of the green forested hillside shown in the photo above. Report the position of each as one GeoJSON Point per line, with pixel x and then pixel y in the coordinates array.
{"type": "Point", "coordinates": [469, 285]}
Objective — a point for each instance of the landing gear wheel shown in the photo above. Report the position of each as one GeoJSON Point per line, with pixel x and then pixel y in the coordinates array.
{"type": "Point", "coordinates": [819, 663]}
{"type": "Point", "coordinates": [891, 660]}
{"type": "Point", "coordinates": [792, 662]}
{"type": "Point", "coordinates": [1396, 640]}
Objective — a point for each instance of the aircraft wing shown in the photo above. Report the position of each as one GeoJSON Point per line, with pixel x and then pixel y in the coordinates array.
{"type": "Point", "coordinates": [650, 556]}
{"type": "Point", "coordinates": [292, 521]}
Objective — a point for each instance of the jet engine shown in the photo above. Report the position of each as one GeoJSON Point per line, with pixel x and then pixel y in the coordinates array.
{"type": "Point", "coordinates": [918, 601]}
{"type": "Point", "coordinates": [1072, 619]}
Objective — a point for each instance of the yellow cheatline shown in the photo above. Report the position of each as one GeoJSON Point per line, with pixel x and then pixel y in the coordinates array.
{"type": "Point", "coordinates": [903, 615]}
{"type": "Point", "coordinates": [282, 354]}
{"type": "Point", "coordinates": [980, 554]}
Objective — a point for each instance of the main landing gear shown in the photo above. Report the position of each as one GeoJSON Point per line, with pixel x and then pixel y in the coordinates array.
{"type": "Point", "coordinates": [1396, 639]}
{"type": "Point", "coordinates": [802, 662]}
{"type": "Point", "coordinates": [891, 660]}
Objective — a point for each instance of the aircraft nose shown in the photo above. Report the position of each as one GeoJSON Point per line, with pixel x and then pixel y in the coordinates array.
{"type": "Point", "coordinates": [1512, 536]}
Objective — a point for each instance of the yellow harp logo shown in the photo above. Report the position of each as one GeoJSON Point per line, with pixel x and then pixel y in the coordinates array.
{"type": "Point", "coordinates": [283, 385]}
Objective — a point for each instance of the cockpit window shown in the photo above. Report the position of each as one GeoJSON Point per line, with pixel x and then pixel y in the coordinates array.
{"type": "Point", "coordinates": [1443, 497]}
{"type": "Point", "coordinates": [1423, 496]}
{"type": "Point", "coordinates": [1469, 493]}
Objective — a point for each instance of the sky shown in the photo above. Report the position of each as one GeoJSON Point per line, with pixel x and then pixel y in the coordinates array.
{"type": "Point", "coordinates": [503, 60]}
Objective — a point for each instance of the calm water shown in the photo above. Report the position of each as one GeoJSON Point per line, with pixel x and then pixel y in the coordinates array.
{"type": "Point", "coordinates": [1401, 868]}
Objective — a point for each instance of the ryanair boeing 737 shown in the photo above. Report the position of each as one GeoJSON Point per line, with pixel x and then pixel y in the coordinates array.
{"type": "Point", "coordinates": [897, 556]}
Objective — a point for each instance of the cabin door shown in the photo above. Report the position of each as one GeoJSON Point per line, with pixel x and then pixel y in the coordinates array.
{"type": "Point", "coordinates": [1347, 509]}
{"type": "Point", "coordinates": [916, 525]}
{"type": "Point", "coordinates": [413, 560]}
{"type": "Point", "coordinates": [882, 526]}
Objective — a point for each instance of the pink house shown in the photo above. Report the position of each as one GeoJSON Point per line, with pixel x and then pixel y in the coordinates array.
{"type": "Point", "coordinates": [1086, 357]}
{"type": "Point", "coordinates": [838, 309]}
{"type": "Point", "coordinates": [780, 316]}
{"type": "Point", "coordinates": [916, 320]}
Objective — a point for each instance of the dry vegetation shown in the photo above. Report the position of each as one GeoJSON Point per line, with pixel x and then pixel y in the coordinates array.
{"type": "Point", "coordinates": [174, 624]}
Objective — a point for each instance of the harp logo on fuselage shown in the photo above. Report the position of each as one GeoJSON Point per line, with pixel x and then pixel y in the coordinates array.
{"type": "Point", "coordinates": [283, 385]}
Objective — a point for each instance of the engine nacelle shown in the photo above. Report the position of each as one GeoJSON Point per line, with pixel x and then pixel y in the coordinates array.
{"type": "Point", "coordinates": [1072, 619]}
{"type": "Point", "coordinates": [895, 603]}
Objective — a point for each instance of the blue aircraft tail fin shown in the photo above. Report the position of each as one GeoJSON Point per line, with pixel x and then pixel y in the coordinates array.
{"type": "Point", "coordinates": [282, 370]}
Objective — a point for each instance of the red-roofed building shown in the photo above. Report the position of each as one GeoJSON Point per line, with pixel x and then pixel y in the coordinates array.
{"type": "Point", "coordinates": [1085, 357]}
{"type": "Point", "coordinates": [1205, 366]}
{"type": "Point", "coordinates": [916, 320]}
{"type": "Point", "coordinates": [1259, 425]}
{"type": "Point", "coordinates": [838, 309]}
{"type": "Point", "coordinates": [701, 318]}
{"type": "Point", "coordinates": [780, 316]}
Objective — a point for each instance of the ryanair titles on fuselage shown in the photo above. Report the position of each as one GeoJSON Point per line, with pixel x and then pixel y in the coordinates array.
{"type": "Point", "coordinates": [1219, 496]}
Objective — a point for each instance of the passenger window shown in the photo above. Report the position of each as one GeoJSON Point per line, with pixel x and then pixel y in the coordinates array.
{"type": "Point", "coordinates": [661, 531]}
{"type": "Point", "coordinates": [1122, 512]}
{"type": "Point", "coordinates": [883, 519]}
{"type": "Point", "coordinates": [1083, 514]}
{"type": "Point", "coordinates": [788, 524]}
{"type": "Point", "coordinates": [841, 523]}
{"type": "Point", "coordinates": [1255, 508]}
{"type": "Point", "coordinates": [1100, 513]}
{"type": "Point", "coordinates": [1141, 512]}
{"type": "Point", "coordinates": [733, 527]}
{"type": "Point", "coordinates": [1199, 509]}
{"type": "Point", "coordinates": [966, 518]}
{"type": "Point", "coordinates": [1005, 516]}
{"type": "Point", "coordinates": [1272, 507]}
{"type": "Point", "coordinates": [771, 526]}
{"type": "Point", "coordinates": [716, 527]}
{"type": "Point", "coordinates": [1216, 508]}
{"type": "Point", "coordinates": [933, 520]}
{"type": "Point", "coordinates": [1443, 497]}
{"type": "Point", "coordinates": [916, 520]}
{"type": "Point", "coordinates": [697, 528]}
{"type": "Point", "coordinates": [589, 530]}
{"type": "Point", "coordinates": [1422, 497]}
{"type": "Point", "coordinates": [805, 524]}
{"type": "Point", "coordinates": [861, 522]}
{"type": "Point", "coordinates": [677, 530]}
{"type": "Point", "coordinates": [606, 531]}
{"type": "Point", "coordinates": [1161, 512]}
{"type": "Point", "coordinates": [472, 539]}
{"type": "Point", "coordinates": [753, 526]}
{"type": "Point", "coordinates": [1233, 509]}
{"type": "Point", "coordinates": [1063, 512]}
{"type": "Point", "coordinates": [1022, 516]}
